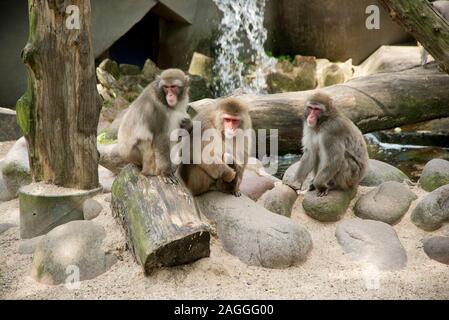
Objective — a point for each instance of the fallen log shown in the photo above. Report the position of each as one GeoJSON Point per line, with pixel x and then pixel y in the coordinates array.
{"type": "Point", "coordinates": [375, 102]}
{"type": "Point", "coordinates": [161, 223]}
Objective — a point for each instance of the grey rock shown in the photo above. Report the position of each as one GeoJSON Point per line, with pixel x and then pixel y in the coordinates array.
{"type": "Point", "coordinates": [329, 208]}
{"type": "Point", "coordinates": [9, 130]}
{"type": "Point", "coordinates": [111, 67]}
{"type": "Point", "coordinates": [106, 178]}
{"type": "Point", "coordinates": [255, 235]}
{"type": "Point", "coordinates": [150, 70]}
{"type": "Point", "coordinates": [433, 210]}
{"type": "Point", "coordinates": [75, 245]}
{"type": "Point", "coordinates": [28, 246]}
{"type": "Point", "coordinates": [16, 167]}
{"type": "Point", "coordinates": [437, 248]}
{"type": "Point", "coordinates": [254, 185]}
{"type": "Point", "coordinates": [279, 200]}
{"type": "Point", "coordinates": [6, 226]}
{"type": "Point", "coordinates": [91, 209]}
{"type": "Point", "coordinates": [372, 242]}
{"type": "Point", "coordinates": [199, 88]}
{"type": "Point", "coordinates": [387, 203]}
{"type": "Point", "coordinates": [129, 69]}
{"type": "Point", "coordinates": [379, 172]}
{"type": "Point", "coordinates": [434, 175]}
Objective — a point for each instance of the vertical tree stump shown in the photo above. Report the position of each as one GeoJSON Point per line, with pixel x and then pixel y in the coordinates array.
{"type": "Point", "coordinates": [59, 113]}
{"type": "Point", "coordinates": [161, 223]}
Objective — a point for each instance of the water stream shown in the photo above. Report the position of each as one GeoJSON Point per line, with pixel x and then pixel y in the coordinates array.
{"type": "Point", "coordinates": [241, 61]}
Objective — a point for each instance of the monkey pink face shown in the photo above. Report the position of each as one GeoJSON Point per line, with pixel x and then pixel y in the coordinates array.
{"type": "Point", "coordinates": [230, 124]}
{"type": "Point", "coordinates": [171, 95]}
{"type": "Point", "coordinates": [314, 112]}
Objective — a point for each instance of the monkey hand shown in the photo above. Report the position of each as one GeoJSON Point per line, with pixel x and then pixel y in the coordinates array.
{"type": "Point", "coordinates": [186, 124]}
{"type": "Point", "coordinates": [228, 176]}
{"type": "Point", "coordinates": [170, 178]}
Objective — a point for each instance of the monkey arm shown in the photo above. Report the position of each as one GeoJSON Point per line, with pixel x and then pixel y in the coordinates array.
{"type": "Point", "coordinates": [306, 166]}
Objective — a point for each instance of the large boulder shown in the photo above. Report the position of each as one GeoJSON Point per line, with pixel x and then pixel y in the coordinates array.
{"type": "Point", "coordinates": [432, 211]}
{"type": "Point", "coordinates": [9, 130]}
{"type": "Point", "coordinates": [254, 185]}
{"type": "Point", "coordinates": [387, 203]}
{"type": "Point", "coordinates": [329, 73]}
{"type": "Point", "coordinates": [296, 76]}
{"type": "Point", "coordinates": [329, 208]}
{"type": "Point", "coordinates": [379, 172]}
{"type": "Point", "coordinates": [390, 59]}
{"type": "Point", "coordinates": [371, 242]}
{"type": "Point", "coordinates": [199, 88]}
{"type": "Point", "coordinates": [437, 248]}
{"type": "Point", "coordinates": [255, 235]}
{"type": "Point", "coordinates": [279, 200]}
{"type": "Point", "coordinates": [16, 167]}
{"type": "Point", "coordinates": [76, 245]}
{"type": "Point", "coordinates": [435, 174]}
{"type": "Point", "coordinates": [201, 65]}
{"type": "Point", "coordinates": [150, 70]}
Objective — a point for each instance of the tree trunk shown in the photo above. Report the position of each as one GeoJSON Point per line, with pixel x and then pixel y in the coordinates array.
{"type": "Point", "coordinates": [376, 102]}
{"type": "Point", "coordinates": [425, 24]}
{"type": "Point", "coordinates": [161, 222]}
{"type": "Point", "coordinates": [59, 113]}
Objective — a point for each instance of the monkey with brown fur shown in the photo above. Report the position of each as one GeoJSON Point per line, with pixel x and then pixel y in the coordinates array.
{"type": "Point", "coordinates": [144, 133]}
{"type": "Point", "coordinates": [224, 173]}
{"type": "Point", "coordinates": [333, 148]}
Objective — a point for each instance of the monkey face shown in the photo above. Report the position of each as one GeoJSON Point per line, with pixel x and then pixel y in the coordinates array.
{"type": "Point", "coordinates": [171, 94]}
{"type": "Point", "coordinates": [313, 113]}
{"type": "Point", "coordinates": [230, 124]}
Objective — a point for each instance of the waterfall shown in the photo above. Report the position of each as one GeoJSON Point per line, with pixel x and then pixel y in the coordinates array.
{"type": "Point", "coordinates": [241, 61]}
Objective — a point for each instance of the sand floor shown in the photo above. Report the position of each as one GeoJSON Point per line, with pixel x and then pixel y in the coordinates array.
{"type": "Point", "coordinates": [328, 273]}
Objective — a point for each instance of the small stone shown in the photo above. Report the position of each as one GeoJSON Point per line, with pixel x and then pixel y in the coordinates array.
{"type": "Point", "coordinates": [279, 200]}
{"type": "Point", "coordinates": [437, 248]}
{"type": "Point", "coordinates": [387, 203]}
{"type": "Point", "coordinates": [254, 185]}
{"type": "Point", "coordinates": [433, 210]}
{"type": "Point", "coordinates": [28, 246]}
{"type": "Point", "coordinates": [329, 208]}
{"type": "Point", "coordinates": [379, 172]}
{"type": "Point", "coordinates": [68, 249]}
{"type": "Point", "coordinates": [434, 175]}
{"type": "Point", "coordinates": [106, 178]}
{"type": "Point", "coordinates": [372, 242]}
{"type": "Point", "coordinates": [91, 209]}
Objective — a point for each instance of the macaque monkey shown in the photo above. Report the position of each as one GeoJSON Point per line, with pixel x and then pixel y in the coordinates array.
{"type": "Point", "coordinates": [333, 148]}
{"type": "Point", "coordinates": [144, 133]}
{"type": "Point", "coordinates": [226, 170]}
{"type": "Point", "coordinates": [442, 6]}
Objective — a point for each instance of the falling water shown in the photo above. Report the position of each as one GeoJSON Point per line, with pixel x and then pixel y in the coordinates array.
{"type": "Point", "coordinates": [242, 24]}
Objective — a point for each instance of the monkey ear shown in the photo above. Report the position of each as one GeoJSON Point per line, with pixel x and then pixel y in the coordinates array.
{"type": "Point", "coordinates": [187, 80]}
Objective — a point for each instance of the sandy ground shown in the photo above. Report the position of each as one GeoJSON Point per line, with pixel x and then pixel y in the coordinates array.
{"type": "Point", "coordinates": [328, 273]}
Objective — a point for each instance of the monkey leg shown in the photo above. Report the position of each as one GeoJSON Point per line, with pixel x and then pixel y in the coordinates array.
{"type": "Point", "coordinates": [163, 161]}
{"type": "Point", "coordinates": [195, 179]}
{"type": "Point", "coordinates": [148, 159]}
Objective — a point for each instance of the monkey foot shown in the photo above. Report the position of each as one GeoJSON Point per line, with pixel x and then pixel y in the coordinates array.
{"type": "Point", "coordinates": [170, 179]}
{"type": "Point", "coordinates": [322, 193]}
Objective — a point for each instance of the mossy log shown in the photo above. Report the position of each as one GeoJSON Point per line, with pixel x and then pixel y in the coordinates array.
{"type": "Point", "coordinates": [58, 114]}
{"type": "Point", "coordinates": [375, 102]}
{"type": "Point", "coordinates": [420, 19]}
{"type": "Point", "coordinates": [160, 220]}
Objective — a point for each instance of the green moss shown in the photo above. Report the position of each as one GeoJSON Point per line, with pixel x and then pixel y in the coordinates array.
{"type": "Point", "coordinates": [23, 109]}
{"type": "Point", "coordinates": [103, 139]}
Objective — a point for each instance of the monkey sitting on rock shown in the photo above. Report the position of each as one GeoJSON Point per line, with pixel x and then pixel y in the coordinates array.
{"type": "Point", "coordinates": [230, 121]}
{"type": "Point", "coordinates": [144, 133]}
{"type": "Point", "coordinates": [333, 148]}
